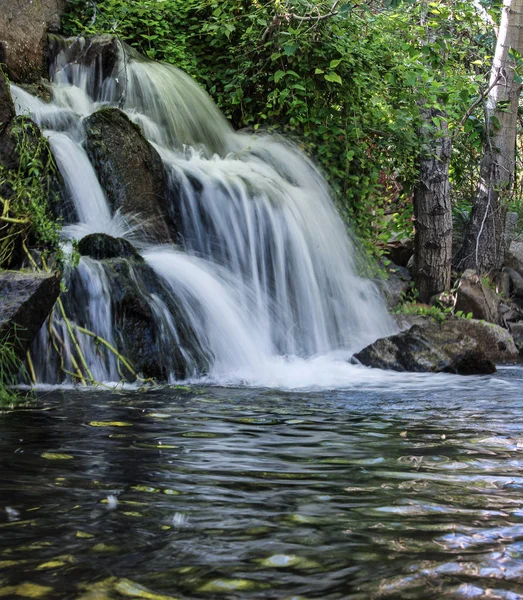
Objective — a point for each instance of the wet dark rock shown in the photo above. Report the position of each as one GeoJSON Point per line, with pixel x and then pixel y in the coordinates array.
{"type": "Point", "coordinates": [99, 53]}
{"type": "Point", "coordinates": [473, 296]}
{"type": "Point", "coordinates": [130, 170]}
{"type": "Point", "coordinates": [102, 246]}
{"type": "Point", "coordinates": [26, 299]}
{"type": "Point", "coordinates": [460, 346]}
{"type": "Point", "coordinates": [143, 337]}
{"type": "Point", "coordinates": [23, 36]}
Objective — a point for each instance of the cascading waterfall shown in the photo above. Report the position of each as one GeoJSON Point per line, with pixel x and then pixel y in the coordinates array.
{"type": "Point", "coordinates": [264, 272]}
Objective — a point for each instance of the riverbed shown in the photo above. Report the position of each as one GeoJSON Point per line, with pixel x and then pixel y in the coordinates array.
{"type": "Point", "coordinates": [410, 490]}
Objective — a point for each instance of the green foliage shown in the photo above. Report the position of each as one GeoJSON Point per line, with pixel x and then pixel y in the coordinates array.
{"type": "Point", "coordinates": [10, 366]}
{"type": "Point", "coordinates": [25, 194]}
{"type": "Point", "coordinates": [348, 88]}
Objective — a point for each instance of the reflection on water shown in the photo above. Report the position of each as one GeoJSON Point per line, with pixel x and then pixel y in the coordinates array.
{"type": "Point", "coordinates": [234, 493]}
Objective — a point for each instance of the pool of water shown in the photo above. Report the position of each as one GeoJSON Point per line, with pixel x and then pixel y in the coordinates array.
{"type": "Point", "coordinates": [400, 491]}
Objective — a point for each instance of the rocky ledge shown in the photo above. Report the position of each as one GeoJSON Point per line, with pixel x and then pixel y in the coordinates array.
{"type": "Point", "coordinates": [460, 346]}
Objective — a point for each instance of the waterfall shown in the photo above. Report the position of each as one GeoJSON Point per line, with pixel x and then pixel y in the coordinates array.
{"type": "Point", "coordinates": [262, 277]}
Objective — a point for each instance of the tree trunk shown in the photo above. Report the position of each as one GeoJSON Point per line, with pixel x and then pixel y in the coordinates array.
{"type": "Point", "coordinates": [483, 247]}
{"type": "Point", "coordinates": [432, 209]}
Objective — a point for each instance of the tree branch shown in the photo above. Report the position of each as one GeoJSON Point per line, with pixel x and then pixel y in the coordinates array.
{"type": "Point", "coordinates": [482, 96]}
{"type": "Point", "coordinates": [277, 20]}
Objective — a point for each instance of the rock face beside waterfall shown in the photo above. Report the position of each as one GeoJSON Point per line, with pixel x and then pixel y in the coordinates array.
{"type": "Point", "coordinates": [23, 36]}
{"type": "Point", "coordinates": [460, 346]}
{"type": "Point", "coordinates": [157, 342]}
{"type": "Point", "coordinates": [130, 170]}
{"type": "Point", "coordinates": [26, 299]}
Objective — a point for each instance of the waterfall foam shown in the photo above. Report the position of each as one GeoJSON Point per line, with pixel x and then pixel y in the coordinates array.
{"type": "Point", "coordinates": [264, 274]}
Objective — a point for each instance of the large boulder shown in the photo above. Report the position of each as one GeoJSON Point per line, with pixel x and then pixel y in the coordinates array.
{"type": "Point", "coordinates": [130, 170]}
{"type": "Point", "coordinates": [23, 36]}
{"type": "Point", "coordinates": [474, 296]}
{"type": "Point", "coordinates": [151, 331]}
{"type": "Point", "coordinates": [26, 299]}
{"type": "Point", "coordinates": [460, 346]}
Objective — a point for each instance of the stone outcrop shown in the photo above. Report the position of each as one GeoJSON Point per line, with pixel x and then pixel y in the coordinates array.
{"type": "Point", "coordinates": [473, 296]}
{"type": "Point", "coordinates": [460, 346]}
{"type": "Point", "coordinates": [24, 25]}
{"type": "Point", "coordinates": [397, 283]}
{"type": "Point", "coordinates": [130, 170]}
{"type": "Point", "coordinates": [101, 246]}
{"type": "Point", "coordinates": [99, 53]}
{"type": "Point", "coordinates": [26, 299]}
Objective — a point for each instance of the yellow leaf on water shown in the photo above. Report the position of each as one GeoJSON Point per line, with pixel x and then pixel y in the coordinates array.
{"type": "Point", "coordinates": [56, 456]}
{"type": "Point", "coordinates": [25, 590]}
{"type": "Point", "coordinates": [52, 564]}
{"type": "Point", "coordinates": [128, 588]}
{"type": "Point", "coordinates": [84, 535]}
{"type": "Point", "coordinates": [110, 424]}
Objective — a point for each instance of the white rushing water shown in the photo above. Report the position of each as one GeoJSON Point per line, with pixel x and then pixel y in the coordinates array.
{"type": "Point", "coordinates": [265, 272]}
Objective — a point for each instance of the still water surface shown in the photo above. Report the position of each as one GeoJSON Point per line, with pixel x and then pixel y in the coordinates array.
{"type": "Point", "coordinates": [226, 493]}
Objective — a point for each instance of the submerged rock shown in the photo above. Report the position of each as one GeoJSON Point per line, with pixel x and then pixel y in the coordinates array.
{"type": "Point", "coordinates": [23, 36]}
{"type": "Point", "coordinates": [461, 346]}
{"type": "Point", "coordinates": [101, 246]}
{"type": "Point", "coordinates": [26, 299]}
{"type": "Point", "coordinates": [129, 168]}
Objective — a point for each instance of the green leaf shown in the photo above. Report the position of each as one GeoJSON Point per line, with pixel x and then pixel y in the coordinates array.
{"type": "Point", "coordinates": [335, 63]}
{"type": "Point", "coordinates": [333, 77]}
{"type": "Point", "coordinates": [278, 76]}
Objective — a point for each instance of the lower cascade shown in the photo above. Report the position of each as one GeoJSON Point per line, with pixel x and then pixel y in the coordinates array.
{"type": "Point", "coordinates": [224, 259]}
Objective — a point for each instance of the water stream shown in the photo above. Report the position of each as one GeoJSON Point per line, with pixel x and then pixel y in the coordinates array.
{"type": "Point", "coordinates": [263, 271]}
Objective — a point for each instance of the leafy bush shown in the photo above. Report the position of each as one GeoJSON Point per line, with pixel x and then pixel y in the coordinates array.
{"type": "Point", "coordinates": [348, 87]}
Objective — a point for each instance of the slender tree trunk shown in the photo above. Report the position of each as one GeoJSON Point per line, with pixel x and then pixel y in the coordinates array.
{"type": "Point", "coordinates": [483, 247]}
{"type": "Point", "coordinates": [433, 210]}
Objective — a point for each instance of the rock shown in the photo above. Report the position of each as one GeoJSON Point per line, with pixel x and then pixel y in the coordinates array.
{"type": "Point", "coordinates": [399, 252]}
{"type": "Point", "coordinates": [7, 108]}
{"type": "Point", "coordinates": [516, 331]}
{"type": "Point", "coordinates": [130, 170]}
{"type": "Point", "coordinates": [99, 53]}
{"type": "Point", "coordinates": [396, 284]}
{"type": "Point", "coordinates": [100, 246]}
{"type": "Point", "coordinates": [514, 258]}
{"type": "Point", "coordinates": [516, 282]}
{"type": "Point", "coordinates": [502, 283]}
{"type": "Point", "coordinates": [475, 297]}
{"type": "Point", "coordinates": [511, 227]}
{"type": "Point", "coordinates": [26, 299]}
{"type": "Point", "coordinates": [143, 336]}
{"type": "Point", "coordinates": [460, 346]}
{"type": "Point", "coordinates": [23, 36]}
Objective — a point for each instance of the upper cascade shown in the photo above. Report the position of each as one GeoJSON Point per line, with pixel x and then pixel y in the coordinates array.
{"type": "Point", "coordinates": [263, 266]}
